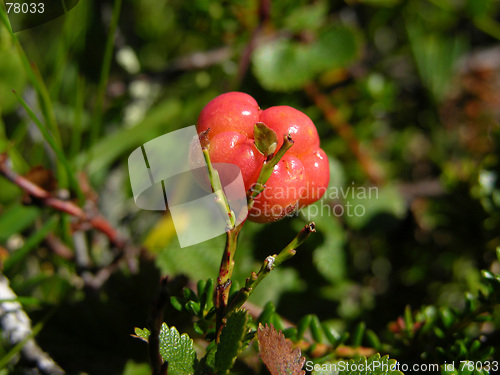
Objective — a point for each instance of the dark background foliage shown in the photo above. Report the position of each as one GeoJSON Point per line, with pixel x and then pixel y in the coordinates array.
{"type": "Point", "coordinates": [405, 96]}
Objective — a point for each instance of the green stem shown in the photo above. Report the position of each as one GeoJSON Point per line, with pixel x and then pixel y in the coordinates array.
{"type": "Point", "coordinates": [105, 69]}
{"type": "Point", "coordinates": [224, 279]}
{"type": "Point", "coordinates": [227, 262]}
{"type": "Point", "coordinates": [267, 170]}
{"type": "Point", "coordinates": [53, 144]}
{"type": "Point", "coordinates": [221, 199]}
{"type": "Point", "coordinates": [268, 265]}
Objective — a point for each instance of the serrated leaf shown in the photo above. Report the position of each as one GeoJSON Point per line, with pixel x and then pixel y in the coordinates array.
{"type": "Point", "coordinates": [278, 354]}
{"type": "Point", "coordinates": [232, 341]}
{"type": "Point", "coordinates": [142, 334]}
{"type": "Point", "coordinates": [207, 363]}
{"type": "Point", "coordinates": [177, 350]}
{"type": "Point", "coordinates": [265, 138]}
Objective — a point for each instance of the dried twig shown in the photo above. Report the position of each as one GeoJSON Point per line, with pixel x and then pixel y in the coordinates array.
{"type": "Point", "coordinates": [371, 168]}
{"type": "Point", "coordinates": [89, 218]}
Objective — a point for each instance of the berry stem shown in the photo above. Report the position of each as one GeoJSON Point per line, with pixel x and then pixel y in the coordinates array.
{"type": "Point", "coordinates": [227, 262]}
{"type": "Point", "coordinates": [268, 265]}
{"type": "Point", "coordinates": [221, 199]}
{"type": "Point", "coordinates": [267, 170]}
{"type": "Point", "coordinates": [224, 279]}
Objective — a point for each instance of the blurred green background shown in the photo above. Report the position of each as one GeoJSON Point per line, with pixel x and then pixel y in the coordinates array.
{"type": "Point", "coordinates": [405, 96]}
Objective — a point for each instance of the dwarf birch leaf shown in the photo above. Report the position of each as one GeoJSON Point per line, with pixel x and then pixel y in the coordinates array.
{"type": "Point", "coordinates": [177, 350]}
{"type": "Point", "coordinates": [277, 352]}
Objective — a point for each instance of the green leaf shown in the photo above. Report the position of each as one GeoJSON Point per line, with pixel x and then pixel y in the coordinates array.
{"type": "Point", "coordinates": [142, 334]}
{"type": "Point", "coordinates": [177, 350]}
{"type": "Point", "coordinates": [336, 47]}
{"type": "Point", "coordinates": [308, 17]}
{"type": "Point", "coordinates": [315, 327]}
{"type": "Point", "coordinates": [358, 334]}
{"type": "Point", "coordinates": [132, 368]}
{"type": "Point", "coordinates": [266, 139]}
{"type": "Point", "coordinates": [207, 363]}
{"type": "Point", "coordinates": [328, 257]}
{"type": "Point", "coordinates": [198, 261]}
{"type": "Point", "coordinates": [282, 65]}
{"type": "Point", "coordinates": [31, 243]}
{"type": "Point", "coordinates": [374, 207]}
{"type": "Point", "coordinates": [16, 219]}
{"type": "Point", "coordinates": [12, 76]}
{"type": "Point", "coordinates": [285, 65]}
{"type": "Point", "coordinates": [232, 340]}
{"type": "Point", "coordinates": [435, 56]}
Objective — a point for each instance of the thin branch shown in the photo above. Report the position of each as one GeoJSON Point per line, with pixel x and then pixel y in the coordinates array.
{"type": "Point", "coordinates": [85, 220]}
{"type": "Point", "coordinates": [97, 222]}
{"type": "Point", "coordinates": [268, 265]}
{"type": "Point", "coordinates": [369, 165]}
{"type": "Point", "coordinates": [264, 12]}
{"type": "Point", "coordinates": [221, 297]}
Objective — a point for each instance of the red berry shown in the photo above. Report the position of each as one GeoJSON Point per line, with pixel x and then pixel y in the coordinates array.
{"type": "Point", "coordinates": [287, 120]}
{"type": "Point", "coordinates": [300, 178]}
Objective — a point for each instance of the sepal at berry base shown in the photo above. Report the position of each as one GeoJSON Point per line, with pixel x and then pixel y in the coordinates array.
{"type": "Point", "coordinates": [168, 173]}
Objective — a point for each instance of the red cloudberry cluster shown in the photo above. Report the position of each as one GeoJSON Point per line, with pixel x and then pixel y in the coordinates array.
{"type": "Point", "coordinates": [301, 176]}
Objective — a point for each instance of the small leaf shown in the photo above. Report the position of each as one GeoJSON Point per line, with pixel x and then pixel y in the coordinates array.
{"type": "Point", "coordinates": [302, 326]}
{"type": "Point", "coordinates": [176, 303]}
{"type": "Point", "coordinates": [331, 335]}
{"type": "Point", "coordinates": [142, 334]}
{"type": "Point", "coordinates": [282, 65]}
{"type": "Point", "coordinates": [267, 313]}
{"type": "Point", "coordinates": [177, 350]}
{"type": "Point", "coordinates": [278, 354]}
{"type": "Point", "coordinates": [232, 341]}
{"type": "Point", "coordinates": [315, 327]}
{"type": "Point", "coordinates": [266, 139]}
{"type": "Point", "coordinates": [358, 334]}
{"type": "Point", "coordinates": [207, 363]}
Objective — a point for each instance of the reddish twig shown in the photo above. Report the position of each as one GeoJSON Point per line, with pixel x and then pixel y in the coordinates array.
{"type": "Point", "coordinates": [86, 220]}
{"type": "Point", "coordinates": [58, 247]}
{"type": "Point", "coordinates": [370, 166]}
{"type": "Point", "coordinates": [45, 198]}
{"type": "Point", "coordinates": [244, 63]}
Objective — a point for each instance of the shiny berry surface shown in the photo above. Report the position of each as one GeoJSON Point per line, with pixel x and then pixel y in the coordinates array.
{"type": "Point", "coordinates": [300, 178]}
